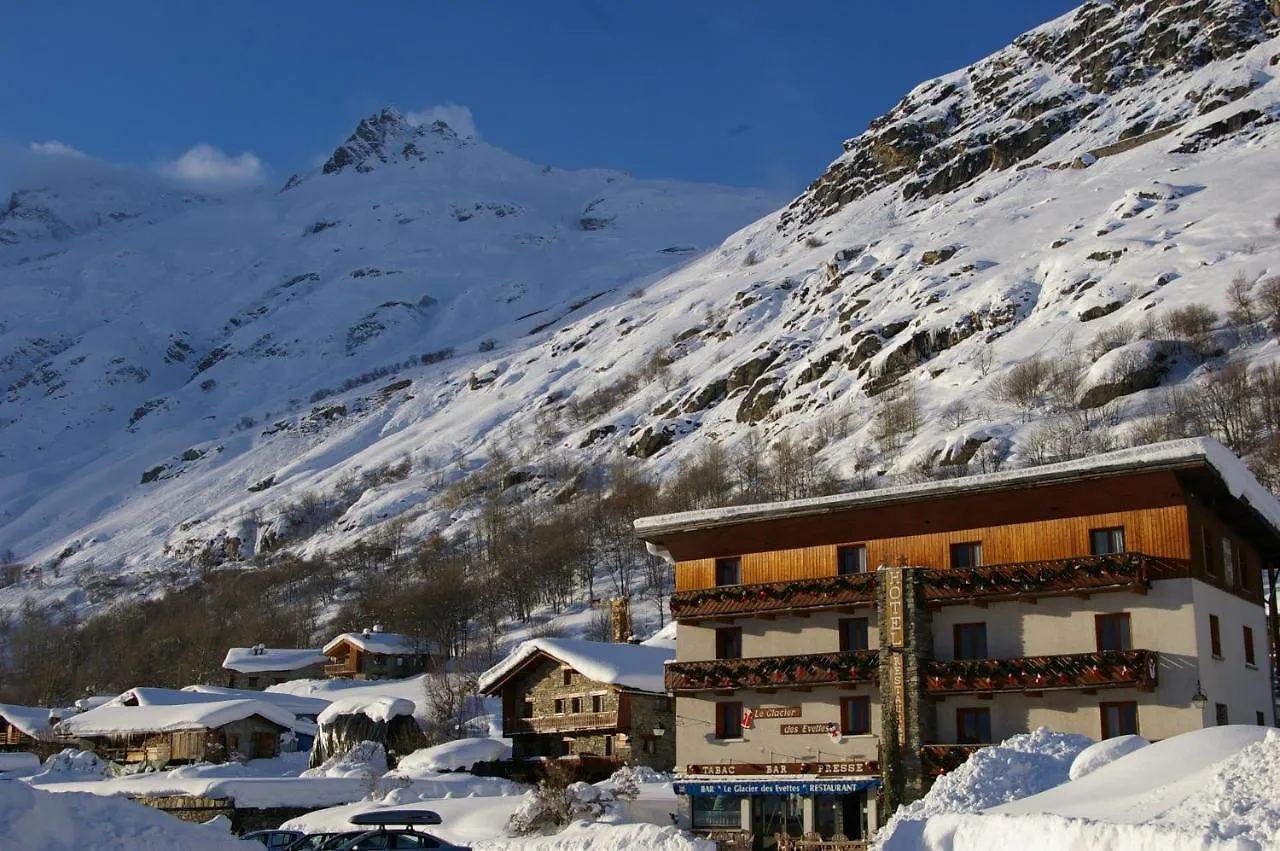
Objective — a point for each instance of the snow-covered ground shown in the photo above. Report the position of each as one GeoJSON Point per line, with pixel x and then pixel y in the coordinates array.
{"type": "Point", "coordinates": [1208, 790]}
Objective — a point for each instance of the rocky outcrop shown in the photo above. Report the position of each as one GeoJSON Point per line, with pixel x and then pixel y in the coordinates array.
{"type": "Point", "coordinates": [385, 137]}
{"type": "Point", "coordinates": [994, 115]}
{"type": "Point", "coordinates": [1124, 371]}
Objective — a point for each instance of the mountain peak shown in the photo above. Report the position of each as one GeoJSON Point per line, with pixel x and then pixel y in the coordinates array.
{"type": "Point", "coordinates": [388, 136]}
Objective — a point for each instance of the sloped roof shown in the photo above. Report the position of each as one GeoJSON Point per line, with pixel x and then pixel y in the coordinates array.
{"type": "Point", "coordinates": [298, 704]}
{"type": "Point", "coordinates": [245, 661]}
{"type": "Point", "coordinates": [629, 666]}
{"type": "Point", "coordinates": [377, 708]}
{"type": "Point", "coordinates": [160, 718]}
{"type": "Point", "coordinates": [32, 720]}
{"type": "Point", "coordinates": [1170, 455]}
{"type": "Point", "coordinates": [390, 643]}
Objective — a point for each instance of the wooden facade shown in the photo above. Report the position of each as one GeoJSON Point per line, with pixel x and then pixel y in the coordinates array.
{"type": "Point", "coordinates": [254, 737]}
{"type": "Point", "coordinates": [347, 661]}
{"type": "Point", "coordinates": [1159, 512]}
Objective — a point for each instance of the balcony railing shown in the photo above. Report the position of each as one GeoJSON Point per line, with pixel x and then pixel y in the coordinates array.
{"type": "Point", "coordinates": [936, 760]}
{"type": "Point", "coordinates": [1015, 581]}
{"type": "Point", "coordinates": [340, 669]}
{"type": "Point", "coordinates": [1109, 669]}
{"type": "Point", "coordinates": [814, 669]}
{"type": "Point", "coordinates": [1055, 578]}
{"type": "Point", "coordinates": [561, 723]}
{"type": "Point", "coordinates": [774, 597]}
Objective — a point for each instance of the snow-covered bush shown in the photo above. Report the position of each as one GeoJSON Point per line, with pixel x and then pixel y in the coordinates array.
{"type": "Point", "coordinates": [72, 764]}
{"type": "Point", "coordinates": [367, 759]}
{"type": "Point", "coordinates": [552, 806]}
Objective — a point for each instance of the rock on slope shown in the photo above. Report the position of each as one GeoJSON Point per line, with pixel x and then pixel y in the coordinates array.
{"type": "Point", "coordinates": [1046, 202]}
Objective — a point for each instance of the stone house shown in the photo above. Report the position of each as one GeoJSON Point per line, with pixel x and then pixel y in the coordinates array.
{"type": "Point", "coordinates": [259, 666]}
{"type": "Point", "coordinates": [571, 697]}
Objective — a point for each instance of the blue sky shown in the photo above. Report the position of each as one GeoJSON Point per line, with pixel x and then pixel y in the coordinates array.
{"type": "Point", "coordinates": [748, 92]}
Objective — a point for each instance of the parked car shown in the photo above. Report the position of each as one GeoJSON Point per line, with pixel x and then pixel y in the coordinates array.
{"type": "Point", "coordinates": [386, 837]}
{"type": "Point", "coordinates": [274, 838]}
{"type": "Point", "coordinates": [324, 841]}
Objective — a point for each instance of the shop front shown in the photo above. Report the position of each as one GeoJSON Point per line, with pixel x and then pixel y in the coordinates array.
{"type": "Point", "coordinates": [832, 809]}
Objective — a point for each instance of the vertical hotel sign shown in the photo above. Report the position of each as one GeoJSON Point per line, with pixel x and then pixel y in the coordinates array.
{"type": "Point", "coordinates": [895, 642]}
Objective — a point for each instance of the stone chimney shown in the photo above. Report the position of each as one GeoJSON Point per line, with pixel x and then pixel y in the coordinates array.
{"type": "Point", "coordinates": [620, 620]}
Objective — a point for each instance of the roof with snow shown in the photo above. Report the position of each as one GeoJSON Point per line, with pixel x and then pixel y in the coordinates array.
{"type": "Point", "coordinates": [160, 718]}
{"type": "Point", "coordinates": [630, 666]}
{"type": "Point", "coordinates": [246, 661]}
{"type": "Point", "coordinates": [390, 643]}
{"type": "Point", "coordinates": [298, 704]}
{"type": "Point", "coordinates": [1192, 453]}
{"type": "Point", "coordinates": [376, 708]}
{"type": "Point", "coordinates": [31, 720]}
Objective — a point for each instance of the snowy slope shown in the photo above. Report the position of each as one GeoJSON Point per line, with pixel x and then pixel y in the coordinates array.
{"type": "Point", "coordinates": [1114, 164]}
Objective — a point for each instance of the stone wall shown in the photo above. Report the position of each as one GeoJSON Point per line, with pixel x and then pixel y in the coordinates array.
{"type": "Point", "coordinates": [647, 711]}
{"type": "Point", "coordinates": [906, 642]}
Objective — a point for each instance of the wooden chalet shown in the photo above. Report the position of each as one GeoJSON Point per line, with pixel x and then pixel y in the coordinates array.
{"type": "Point", "coordinates": [259, 666]}
{"type": "Point", "coordinates": [159, 735]}
{"type": "Point", "coordinates": [570, 697]}
{"type": "Point", "coordinates": [1117, 594]}
{"type": "Point", "coordinates": [374, 654]}
{"type": "Point", "coordinates": [26, 728]}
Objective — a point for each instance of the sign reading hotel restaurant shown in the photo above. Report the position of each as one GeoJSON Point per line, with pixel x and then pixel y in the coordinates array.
{"type": "Point", "coordinates": [822, 769]}
{"type": "Point", "coordinates": [777, 712]}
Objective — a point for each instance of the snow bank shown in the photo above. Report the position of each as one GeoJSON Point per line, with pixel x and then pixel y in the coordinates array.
{"type": "Point", "coordinates": [1103, 753]}
{"type": "Point", "coordinates": [1019, 766]}
{"type": "Point", "coordinates": [452, 756]}
{"type": "Point", "coordinates": [31, 818]}
{"type": "Point", "coordinates": [633, 666]}
{"type": "Point", "coordinates": [584, 836]}
{"type": "Point", "coordinates": [1208, 790]}
{"type": "Point", "coordinates": [367, 759]}
{"type": "Point", "coordinates": [376, 707]}
{"type": "Point", "coordinates": [70, 765]}
{"type": "Point", "coordinates": [18, 764]}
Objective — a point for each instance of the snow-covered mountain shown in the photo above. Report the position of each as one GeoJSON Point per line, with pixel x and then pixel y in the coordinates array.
{"type": "Point", "coordinates": [192, 370]}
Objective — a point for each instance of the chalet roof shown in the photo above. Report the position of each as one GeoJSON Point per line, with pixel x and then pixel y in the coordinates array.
{"type": "Point", "coordinates": [298, 704]}
{"type": "Point", "coordinates": [390, 643]}
{"type": "Point", "coordinates": [130, 720]}
{"type": "Point", "coordinates": [1192, 453]}
{"type": "Point", "coordinates": [246, 661]}
{"type": "Point", "coordinates": [630, 666]}
{"type": "Point", "coordinates": [32, 720]}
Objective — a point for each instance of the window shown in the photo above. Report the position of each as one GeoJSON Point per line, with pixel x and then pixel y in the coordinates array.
{"type": "Point", "coordinates": [648, 745]}
{"type": "Point", "coordinates": [1119, 719]}
{"type": "Point", "coordinates": [855, 715]}
{"type": "Point", "coordinates": [973, 726]}
{"type": "Point", "coordinates": [1113, 632]}
{"type": "Point", "coordinates": [851, 559]}
{"type": "Point", "coordinates": [729, 720]}
{"type": "Point", "coordinates": [253, 682]}
{"type": "Point", "coordinates": [575, 705]}
{"type": "Point", "coordinates": [728, 571]}
{"type": "Point", "coordinates": [966, 555]}
{"type": "Point", "coordinates": [566, 677]}
{"type": "Point", "coordinates": [1206, 541]}
{"type": "Point", "coordinates": [608, 745]}
{"type": "Point", "coordinates": [729, 642]}
{"type": "Point", "coordinates": [1249, 658]}
{"type": "Point", "coordinates": [1228, 562]}
{"type": "Point", "coordinates": [559, 705]}
{"type": "Point", "coordinates": [1215, 637]}
{"type": "Point", "coordinates": [526, 708]}
{"type": "Point", "coordinates": [1220, 715]}
{"type": "Point", "coordinates": [597, 703]}
{"type": "Point", "coordinates": [1262, 719]}
{"type": "Point", "coordinates": [853, 634]}
{"type": "Point", "coordinates": [970, 640]}
{"type": "Point", "coordinates": [1105, 541]}
{"type": "Point", "coordinates": [717, 812]}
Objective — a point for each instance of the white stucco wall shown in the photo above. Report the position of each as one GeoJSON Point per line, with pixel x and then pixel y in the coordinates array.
{"type": "Point", "coordinates": [785, 636]}
{"type": "Point", "coordinates": [1244, 689]}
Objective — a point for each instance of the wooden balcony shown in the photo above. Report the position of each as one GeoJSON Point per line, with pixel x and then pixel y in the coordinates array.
{"type": "Point", "coordinates": [771, 672]}
{"type": "Point", "coordinates": [568, 723]}
{"type": "Point", "coordinates": [937, 760]}
{"type": "Point", "coordinates": [774, 598]}
{"type": "Point", "coordinates": [1027, 581]}
{"type": "Point", "coordinates": [341, 669]}
{"type": "Point", "coordinates": [1081, 671]}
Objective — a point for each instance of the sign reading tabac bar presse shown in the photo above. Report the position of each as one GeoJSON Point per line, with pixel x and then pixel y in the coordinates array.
{"type": "Point", "coordinates": [822, 769]}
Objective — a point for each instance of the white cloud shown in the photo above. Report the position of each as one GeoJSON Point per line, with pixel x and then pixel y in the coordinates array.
{"type": "Point", "coordinates": [456, 116]}
{"type": "Point", "coordinates": [58, 149]}
{"type": "Point", "coordinates": [207, 165]}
